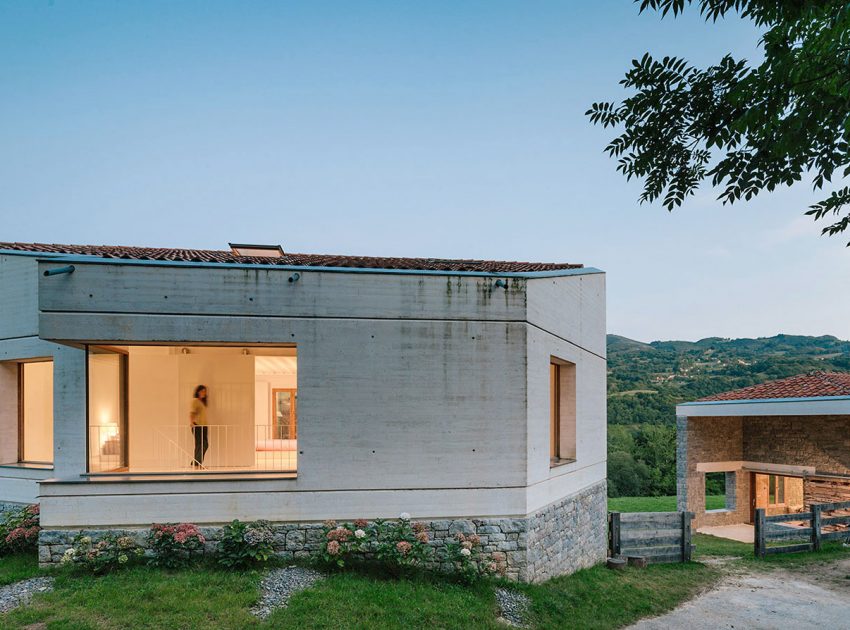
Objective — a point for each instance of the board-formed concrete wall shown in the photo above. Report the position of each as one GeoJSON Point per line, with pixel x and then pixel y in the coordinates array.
{"type": "Point", "coordinates": [18, 341]}
{"type": "Point", "coordinates": [423, 394]}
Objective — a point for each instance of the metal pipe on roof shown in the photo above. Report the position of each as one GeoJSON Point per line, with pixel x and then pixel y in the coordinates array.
{"type": "Point", "coordinates": [60, 270]}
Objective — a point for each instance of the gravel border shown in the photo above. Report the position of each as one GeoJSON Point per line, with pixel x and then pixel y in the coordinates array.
{"type": "Point", "coordinates": [20, 593]}
{"type": "Point", "coordinates": [513, 606]}
{"type": "Point", "coordinates": [281, 584]}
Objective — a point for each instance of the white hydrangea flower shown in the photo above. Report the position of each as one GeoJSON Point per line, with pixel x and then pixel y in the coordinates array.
{"type": "Point", "coordinates": [404, 516]}
{"type": "Point", "coordinates": [359, 533]}
{"type": "Point", "coordinates": [465, 552]}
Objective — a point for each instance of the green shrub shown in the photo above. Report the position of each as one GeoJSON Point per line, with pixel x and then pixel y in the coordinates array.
{"type": "Point", "coordinates": [244, 544]}
{"type": "Point", "coordinates": [19, 530]}
{"type": "Point", "coordinates": [105, 555]}
{"type": "Point", "coordinates": [174, 545]}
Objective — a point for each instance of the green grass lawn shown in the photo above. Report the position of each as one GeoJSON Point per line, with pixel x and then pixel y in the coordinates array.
{"type": "Point", "coordinates": [208, 598]}
{"type": "Point", "coordinates": [16, 568]}
{"type": "Point", "coordinates": [657, 504]}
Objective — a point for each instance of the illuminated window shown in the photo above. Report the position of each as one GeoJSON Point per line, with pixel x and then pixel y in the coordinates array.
{"type": "Point", "coordinates": [562, 412]}
{"type": "Point", "coordinates": [192, 409]}
{"type": "Point", "coordinates": [35, 435]}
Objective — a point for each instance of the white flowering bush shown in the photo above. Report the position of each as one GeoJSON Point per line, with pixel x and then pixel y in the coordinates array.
{"type": "Point", "coordinates": [468, 563]}
{"type": "Point", "coordinates": [105, 555]}
{"type": "Point", "coordinates": [394, 545]}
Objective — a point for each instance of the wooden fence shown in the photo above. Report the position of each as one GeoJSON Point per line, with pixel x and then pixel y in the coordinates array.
{"type": "Point", "coordinates": [658, 536]}
{"type": "Point", "coordinates": [804, 531]}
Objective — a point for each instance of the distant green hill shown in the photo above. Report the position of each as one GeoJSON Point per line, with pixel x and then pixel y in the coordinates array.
{"type": "Point", "coordinates": [647, 380]}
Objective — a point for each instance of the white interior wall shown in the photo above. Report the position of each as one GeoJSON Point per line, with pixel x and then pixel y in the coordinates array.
{"type": "Point", "coordinates": [230, 406]}
{"type": "Point", "coordinates": [154, 409]}
{"type": "Point", "coordinates": [38, 412]}
{"type": "Point", "coordinates": [162, 384]}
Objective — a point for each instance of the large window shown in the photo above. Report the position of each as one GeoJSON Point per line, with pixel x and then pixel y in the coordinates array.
{"type": "Point", "coordinates": [36, 409]}
{"type": "Point", "coordinates": [26, 412]}
{"type": "Point", "coordinates": [192, 409]}
{"type": "Point", "coordinates": [562, 412]}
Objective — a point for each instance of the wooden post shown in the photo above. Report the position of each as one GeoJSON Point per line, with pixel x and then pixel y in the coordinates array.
{"type": "Point", "coordinates": [686, 536]}
{"type": "Point", "coordinates": [614, 534]}
{"type": "Point", "coordinates": [759, 540]}
{"type": "Point", "coordinates": [816, 533]}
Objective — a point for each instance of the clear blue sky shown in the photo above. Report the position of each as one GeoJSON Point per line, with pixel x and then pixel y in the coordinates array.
{"type": "Point", "coordinates": [445, 129]}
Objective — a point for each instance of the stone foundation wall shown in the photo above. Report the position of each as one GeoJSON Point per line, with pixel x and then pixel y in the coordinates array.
{"type": "Point", "coordinates": [569, 535]}
{"type": "Point", "coordinates": [561, 538]}
{"type": "Point", "coordinates": [8, 507]}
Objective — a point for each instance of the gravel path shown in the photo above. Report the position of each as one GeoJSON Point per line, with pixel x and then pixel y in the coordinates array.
{"type": "Point", "coordinates": [764, 601]}
{"type": "Point", "coordinates": [20, 593]}
{"type": "Point", "coordinates": [281, 584]}
{"type": "Point", "coordinates": [513, 606]}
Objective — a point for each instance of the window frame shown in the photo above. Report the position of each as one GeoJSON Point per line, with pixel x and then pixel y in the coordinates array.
{"type": "Point", "coordinates": [21, 460]}
{"type": "Point", "coordinates": [554, 412]}
{"type": "Point", "coordinates": [559, 369]}
{"type": "Point", "coordinates": [778, 490]}
{"type": "Point", "coordinates": [124, 395]}
{"type": "Point", "coordinates": [293, 410]}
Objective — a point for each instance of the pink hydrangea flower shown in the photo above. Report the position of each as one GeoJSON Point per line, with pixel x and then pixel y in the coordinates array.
{"type": "Point", "coordinates": [333, 547]}
{"type": "Point", "coordinates": [403, 547]}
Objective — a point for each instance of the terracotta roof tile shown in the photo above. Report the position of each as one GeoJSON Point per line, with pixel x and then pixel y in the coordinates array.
{"type": "Point", "coordinates": [307, 260]}
{"type": "Point", "coordinates": [814, 384]}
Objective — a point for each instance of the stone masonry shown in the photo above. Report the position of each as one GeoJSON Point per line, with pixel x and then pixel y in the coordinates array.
{"type": "Point", "coordinates": [561, 538]}
{"type": "Point", "coordinates": [819, 441]}
{"type": "Point", "coordinates": [710, 440]}
{"type": "Point", "coordinates": [568, 535]}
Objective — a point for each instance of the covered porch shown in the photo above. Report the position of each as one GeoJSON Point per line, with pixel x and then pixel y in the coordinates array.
{"type": "Point", "coordinates": [762, 450]}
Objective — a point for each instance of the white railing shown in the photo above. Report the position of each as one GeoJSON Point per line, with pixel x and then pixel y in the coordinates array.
{"type": "Point", "coordinates": [230, 448]}
{"type": "Point", "coordinates": [104, 447]}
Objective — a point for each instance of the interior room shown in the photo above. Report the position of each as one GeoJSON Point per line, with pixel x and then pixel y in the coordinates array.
{"type": "Point", "coordinates": [36, 416]}
{"type": "Point", "coordinates": [143, 401]}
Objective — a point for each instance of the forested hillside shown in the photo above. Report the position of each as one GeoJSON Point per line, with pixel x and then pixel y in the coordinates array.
{"type": "Point", "coordinates": [647, 380]}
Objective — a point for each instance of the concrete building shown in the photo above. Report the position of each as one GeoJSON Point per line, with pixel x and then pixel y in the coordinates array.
{"type": "Point", "coordinates": [780, 446]}
{"type": "Point", "coordinates": [470, 394]}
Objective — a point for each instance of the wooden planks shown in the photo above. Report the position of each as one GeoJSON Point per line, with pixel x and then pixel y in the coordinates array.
{"type": "Point", "coordinates": [659, 536]}
{"type": "Point", "coordinates": [788, 548]}
{"type": "Point", "coordinates": [783, 518]}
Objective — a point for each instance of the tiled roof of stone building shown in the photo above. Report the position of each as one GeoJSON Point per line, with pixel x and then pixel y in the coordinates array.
{"type": "Point", "coordinates": [289, 259]}
{"type": "Point", "coordinates": [812, 385]}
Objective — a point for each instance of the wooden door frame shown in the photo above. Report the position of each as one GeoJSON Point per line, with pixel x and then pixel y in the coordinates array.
{"type": "Point", "coordinates": [752, 497]}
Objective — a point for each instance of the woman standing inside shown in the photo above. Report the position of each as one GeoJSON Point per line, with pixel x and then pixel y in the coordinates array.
{"type": "Point", "coordinates": [200, 430]}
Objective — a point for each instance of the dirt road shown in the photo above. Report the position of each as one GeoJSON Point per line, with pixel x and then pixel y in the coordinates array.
{"type": "Point", "coordinates": [812, 597]}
